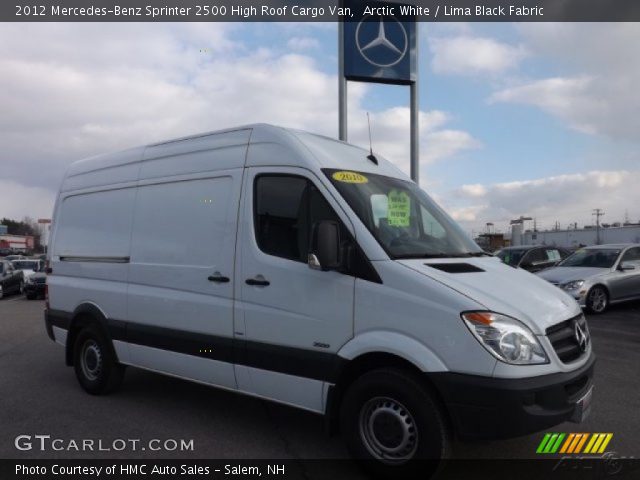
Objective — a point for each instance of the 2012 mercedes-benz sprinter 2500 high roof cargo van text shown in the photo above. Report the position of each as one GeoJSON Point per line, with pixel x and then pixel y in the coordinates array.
{"type": "Point", "coordinates": [292, 267]}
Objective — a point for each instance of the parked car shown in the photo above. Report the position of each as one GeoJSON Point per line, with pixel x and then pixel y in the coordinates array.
{"type": "Point", "coordinates": [29, 266]}
{"type": "Point", "coordinates": [34, 285]}
{"type": "Point", "coordinates": [532, 258]}
{"type": "Point", "coordinates": [5, 251]}
{"type": "Point", "coordinates": [11, 280]}
{"type": "Point", "coordinates": [296, 268]}
{"type": "Point", "coordinates": [13, 257]}
{"type": "Point", "coordinates": [599, 276]}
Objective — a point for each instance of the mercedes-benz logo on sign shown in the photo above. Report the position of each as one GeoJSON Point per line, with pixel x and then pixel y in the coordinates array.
{"type": "Point", "coordinates": [382, 44]}
{"type": "Point", "coordinates": [581, 337]}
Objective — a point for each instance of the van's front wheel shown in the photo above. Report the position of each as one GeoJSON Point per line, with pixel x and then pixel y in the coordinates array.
{"type": "Point", "coordinates": [393, 425]}
{"type": "Point", "coordinates": [94, 362]}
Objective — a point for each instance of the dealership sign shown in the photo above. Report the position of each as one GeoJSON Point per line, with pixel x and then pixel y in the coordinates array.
{"type": "Point", "coordinates": [380, 45]}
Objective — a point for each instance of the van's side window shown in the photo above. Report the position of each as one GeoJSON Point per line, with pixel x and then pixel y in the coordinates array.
{"type": "Point", "coordinates": [285, 209]}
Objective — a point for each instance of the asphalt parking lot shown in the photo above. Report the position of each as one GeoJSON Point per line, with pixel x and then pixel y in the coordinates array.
{"type": "Point", "coordinates": [39, 395]}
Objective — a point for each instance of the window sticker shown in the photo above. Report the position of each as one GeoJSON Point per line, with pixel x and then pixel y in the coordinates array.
{"type": "Point", "coordinates": [349, 177]}
{"type": "Point", "coordinates": [399, 211]}
{"type": "Point", "coordinates": [553, 255]}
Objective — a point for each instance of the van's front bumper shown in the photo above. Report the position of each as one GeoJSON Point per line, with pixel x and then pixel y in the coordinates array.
{"type": "Point", "coordinates": [491, 408]}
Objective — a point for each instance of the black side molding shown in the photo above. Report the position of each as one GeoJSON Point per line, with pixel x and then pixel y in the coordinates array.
{"type": "Point", "coordinates": [94, 259]}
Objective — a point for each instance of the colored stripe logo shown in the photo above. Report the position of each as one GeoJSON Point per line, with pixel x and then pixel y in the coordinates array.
{"type": "Point", "coordinates": [573, 443]}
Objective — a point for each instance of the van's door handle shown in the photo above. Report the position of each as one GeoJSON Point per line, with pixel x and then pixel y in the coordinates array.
{"type": "Point", "coordinates": [218, 278]}
{"type": "Point", "coordinates": [258, 281]}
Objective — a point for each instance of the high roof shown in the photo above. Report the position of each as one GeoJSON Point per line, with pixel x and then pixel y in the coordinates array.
{"type": "Point", "coordinates": [282, 146]}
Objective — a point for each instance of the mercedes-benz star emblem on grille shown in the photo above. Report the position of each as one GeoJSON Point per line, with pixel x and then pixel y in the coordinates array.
{"type": "Point", "coordinates": [581, 337]}
{"type": "Point", "coordinates": [386, 48]}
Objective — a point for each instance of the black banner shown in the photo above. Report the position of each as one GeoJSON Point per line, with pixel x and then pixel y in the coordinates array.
{"type": "Point", "coordinates": [317, 10]}
{"type": "Point", "coordinates": [571, 467]}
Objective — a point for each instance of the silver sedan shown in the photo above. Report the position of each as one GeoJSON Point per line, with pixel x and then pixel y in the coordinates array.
{"type": "Point", "coordinates": [599, 276]}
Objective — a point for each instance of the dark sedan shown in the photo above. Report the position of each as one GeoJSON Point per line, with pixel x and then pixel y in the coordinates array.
{"type": "Point", "coordinates": [532, 258]}
{"type": "Point", "coordinates": [34, 286]}
{"type": "Point", "coordinates": [11, 279]}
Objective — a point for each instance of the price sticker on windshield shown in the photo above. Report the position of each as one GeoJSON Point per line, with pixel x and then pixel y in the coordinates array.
{"type": "Point", "coordinates": [399, 209]}
{"type": "Point", "coordinates": [349, 177]}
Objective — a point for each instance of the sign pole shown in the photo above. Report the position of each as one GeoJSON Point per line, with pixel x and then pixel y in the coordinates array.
{"type": "Point", "coordinates": [342, 86]}
{"type": "Point", "coordinates": [380, 49]}
{"type": "Point", "coordinates": [414, 122]}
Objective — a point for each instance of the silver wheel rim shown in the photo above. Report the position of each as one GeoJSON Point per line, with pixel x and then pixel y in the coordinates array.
{"type": "Point", "coordinates": [388, 430]}
{"type": "Point", "coordinates": [91, 360]}
{"type": "Point", "coordinates": [598, 300]}
{"type": "Point", "coordinates": [21, 287]}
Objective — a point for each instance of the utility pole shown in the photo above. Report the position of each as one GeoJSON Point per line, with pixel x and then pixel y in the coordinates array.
{"type": "Point", "coordinates": [597, 212]}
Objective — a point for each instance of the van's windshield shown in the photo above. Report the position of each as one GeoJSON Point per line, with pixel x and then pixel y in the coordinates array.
{"type": "Point", "coordinates": [402, 218]}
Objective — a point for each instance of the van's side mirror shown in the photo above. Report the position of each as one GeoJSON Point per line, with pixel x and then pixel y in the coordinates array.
{"type": "Point", "coordinates": [324, 253]}
{"type": "Point", "coordinates": [626, 266]}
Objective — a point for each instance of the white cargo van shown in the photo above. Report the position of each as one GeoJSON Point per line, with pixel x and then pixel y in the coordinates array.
{"type": "Point", "coordinates": [299, 269]}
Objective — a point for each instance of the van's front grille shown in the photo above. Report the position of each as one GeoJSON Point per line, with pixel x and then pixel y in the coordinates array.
{"type": "Point", "coordinates": [570, 339]}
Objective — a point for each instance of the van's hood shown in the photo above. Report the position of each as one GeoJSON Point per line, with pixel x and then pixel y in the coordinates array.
{"type": "Point", "coordinates": [504, 289]}
{"type": "Point", "coordinates": [559, 275]}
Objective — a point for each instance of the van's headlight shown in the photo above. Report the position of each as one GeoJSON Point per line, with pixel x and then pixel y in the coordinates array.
{"type": "Point", "coordinates": [505, 338]}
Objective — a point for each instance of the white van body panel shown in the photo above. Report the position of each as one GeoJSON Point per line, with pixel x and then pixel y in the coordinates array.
{"type": "Point", "coordinates": [398, 344]}
{"type": "Point", "coordinates": [301, 392]}
{"type": "Point", "coordinates": [507, 290]}
{"type": "Point", "coordinates": [417, 307]}
{"type": "Point", "coordinates": [180, 365]}
{"type": "Point", "coordinates": [110, 169]}
{"type": "Point", "coordinates": [193, 155]}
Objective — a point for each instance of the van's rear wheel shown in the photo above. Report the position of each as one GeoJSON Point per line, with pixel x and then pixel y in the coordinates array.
{"type": "Point", "coordinates": [94, 362]}
{"type": "Point", "coordinates": [393, 424]}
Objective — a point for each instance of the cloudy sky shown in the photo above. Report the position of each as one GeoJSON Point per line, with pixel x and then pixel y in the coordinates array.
{"type": "Point", "coordinates": [516, 119]}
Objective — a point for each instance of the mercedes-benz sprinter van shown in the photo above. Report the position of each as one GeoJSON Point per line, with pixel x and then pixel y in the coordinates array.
{"type": "Point", "coordinates": [300, 269]}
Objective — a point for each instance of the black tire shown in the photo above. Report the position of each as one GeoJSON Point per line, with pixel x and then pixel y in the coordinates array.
{"type": "Point", "coordinates": [95, 362]}
{"type": "Point", "coordinates": [30, 296]}
{"type": "Point", "coordinates": [597, 300]}
{"type": "Point", "coordinates": [21, 287]}
{"type": "Point", "coordinates": [394, 425]}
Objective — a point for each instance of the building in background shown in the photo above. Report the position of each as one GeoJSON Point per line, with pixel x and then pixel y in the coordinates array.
{"type": "Point", "coordinates": [17, 243]}
{"type": "Point", "coordinates": [589, 235]}
{"type": "Point", "coordinates": [491, 242]}
{"type": "Point", "coordinates": [3, 229]}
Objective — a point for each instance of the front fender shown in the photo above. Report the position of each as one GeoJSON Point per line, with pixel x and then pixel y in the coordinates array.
{"type": "Point", "coordinates": [394, 343]}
